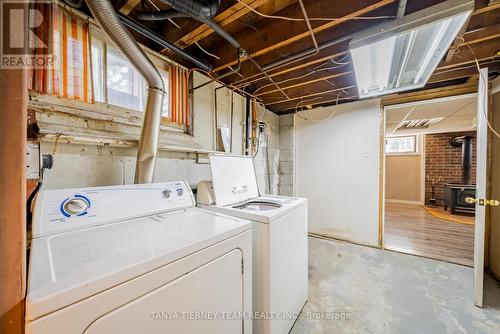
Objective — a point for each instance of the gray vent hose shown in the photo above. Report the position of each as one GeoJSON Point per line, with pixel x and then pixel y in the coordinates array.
{"type": "Point", "coordinates": [108, 20]}
{"type": "Point", "coordinates": [203, 9]}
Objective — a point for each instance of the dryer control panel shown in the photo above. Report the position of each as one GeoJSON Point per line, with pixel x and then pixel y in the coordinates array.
{"type": "Point", "coordinates": [63, 210]}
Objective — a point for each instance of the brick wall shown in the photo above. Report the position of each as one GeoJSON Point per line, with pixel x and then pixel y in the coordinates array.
{"type": "Point", "coordinates": [443, 159]}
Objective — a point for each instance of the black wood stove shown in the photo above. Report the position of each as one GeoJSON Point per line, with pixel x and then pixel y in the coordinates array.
{"type": "Point", "coordinates": [456, 193]}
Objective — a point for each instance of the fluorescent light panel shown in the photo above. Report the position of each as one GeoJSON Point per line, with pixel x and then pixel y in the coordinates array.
{"type": "Point", "coordinates": [398, 59]}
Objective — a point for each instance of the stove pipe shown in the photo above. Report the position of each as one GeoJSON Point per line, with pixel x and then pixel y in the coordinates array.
{"type": "Point", "coordinates": [466, 143]}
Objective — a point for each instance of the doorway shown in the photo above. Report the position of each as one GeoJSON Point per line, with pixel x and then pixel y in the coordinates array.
{"type": "Point", "coordinates": [429, 172]}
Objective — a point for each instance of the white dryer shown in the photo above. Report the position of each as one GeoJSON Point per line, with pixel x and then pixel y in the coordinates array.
{"type": "Point", "coordinates": [280, 263]}
{"type": "Point", "coordinates": [136, 259]}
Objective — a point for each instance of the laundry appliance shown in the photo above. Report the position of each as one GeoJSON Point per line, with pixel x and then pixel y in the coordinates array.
{"type": "Point", "coordinates": [280, 263]}
{"type": "Point", "coordinates": [136, 259]}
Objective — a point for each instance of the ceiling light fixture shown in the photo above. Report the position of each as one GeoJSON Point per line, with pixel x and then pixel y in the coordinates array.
{"type": "Point", "coordinates": [402, 54]}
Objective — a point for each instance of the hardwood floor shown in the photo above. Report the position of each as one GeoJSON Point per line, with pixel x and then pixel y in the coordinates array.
{"type": "Point", "coordinates": [411, 229]}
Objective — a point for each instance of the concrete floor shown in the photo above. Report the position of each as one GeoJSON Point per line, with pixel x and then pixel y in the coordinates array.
{"type": "Point", "coordinates": [387, 292]}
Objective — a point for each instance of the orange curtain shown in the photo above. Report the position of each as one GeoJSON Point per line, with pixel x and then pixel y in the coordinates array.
{"type": "Point", "coordinates": [69, 75]}
{"type": "Point", "coordinates": [179, 95]}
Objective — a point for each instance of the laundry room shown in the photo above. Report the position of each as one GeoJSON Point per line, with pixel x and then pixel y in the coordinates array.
{"type": "Point", "coordinates": [250, 166]}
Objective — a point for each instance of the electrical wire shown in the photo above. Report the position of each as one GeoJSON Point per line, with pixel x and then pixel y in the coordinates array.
{"type": "Point", "coordinates": [242, 92]}
{"type": "Point", "coordinates": [486, 98]}
{"type": "Point", "coordinates": [315, 70]}
{"type": "Point", "coordinates": [323, 119]}
{"type": "Point", "coordinates": [205, 51]}
{"type": "Point", "coordinates": [346, 18]}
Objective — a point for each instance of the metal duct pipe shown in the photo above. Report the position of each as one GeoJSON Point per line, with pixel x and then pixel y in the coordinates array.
{"type": "Point", "coordinates": [151, 35]}
{"type": "Point", "coordinates": [169, 13]}
{"type": "Point", "coordinates": [466, 143]}
{"type": "Point", "coordinates": [203, 9]}
{"type": "Point", "coordinates": [401, 9]}
{"type": "Point", "coordinates": [160, 15]}
{"type": "Point", "coordinates": [108, 20]}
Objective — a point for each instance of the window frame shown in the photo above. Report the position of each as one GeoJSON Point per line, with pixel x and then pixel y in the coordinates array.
{"type": "Point", "coordinates": [415, 145]}
{"type": "Point", "coordinates": [96, 33]}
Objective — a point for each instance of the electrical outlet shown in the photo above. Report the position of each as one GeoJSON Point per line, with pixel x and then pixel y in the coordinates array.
{"type": "Point", "coordinates": [33, 160]}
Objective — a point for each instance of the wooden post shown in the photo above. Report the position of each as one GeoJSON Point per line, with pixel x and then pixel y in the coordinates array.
{"type": "Point", "coordinates": [13, 117]}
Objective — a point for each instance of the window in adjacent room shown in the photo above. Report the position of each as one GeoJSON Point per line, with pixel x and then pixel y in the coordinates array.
{"type": "Point", "coordinates": [405, 144]}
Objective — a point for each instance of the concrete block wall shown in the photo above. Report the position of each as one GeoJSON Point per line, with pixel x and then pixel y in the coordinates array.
{"type": "Point", "coordinates": [287, 155]}
{"type": "Point", "coordinates": [273, 147]}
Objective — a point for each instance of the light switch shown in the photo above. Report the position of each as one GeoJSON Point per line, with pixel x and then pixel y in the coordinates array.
{"type": "Point", "coordinates": [367, 153]}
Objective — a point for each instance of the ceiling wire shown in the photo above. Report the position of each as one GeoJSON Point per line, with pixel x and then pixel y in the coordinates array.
{"type": "Point", "coordinates": [334, 112]}
{"type": "Point", "coordinates": [299, 77]}
{"type": "Point", "coordinates": [495, 132]}
{"type": "Point", "coordinates": [346, 18]}
{"type": "Point", "coordinates": [268, 76]}
{"type": "Point", "coordinates": [205, 51]}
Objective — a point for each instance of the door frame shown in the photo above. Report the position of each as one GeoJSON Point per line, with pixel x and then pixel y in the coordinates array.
{"type": "Point", "coordinates": [384, 109]}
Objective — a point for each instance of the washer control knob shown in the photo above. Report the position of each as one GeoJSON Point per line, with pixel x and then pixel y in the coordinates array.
{"type": "Point", "coordinates": [166, 193]}
{"type": "Point", "coordinates": [76, 206]}
{"type": "Point", "coordinates": [180, 191]}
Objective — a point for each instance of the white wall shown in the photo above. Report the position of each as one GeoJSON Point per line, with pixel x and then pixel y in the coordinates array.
{"type": "Point", "coordinates": [337, 169]}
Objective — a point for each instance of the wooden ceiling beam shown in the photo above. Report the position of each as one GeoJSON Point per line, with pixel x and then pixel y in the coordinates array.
{"type": "Point", "coordinates": [280, 33]}
{"type": "Point", "coordinates": [318, 86]}
{"type": "Point", "coordinates": [427, 94]}
{"type": "Point", "coordinates": [305, 83]}
{"type": "Point", "coordinates": [480, 39]}
{"type": "Point", "coordinates": [464, 71]}
{"type": "Point", "coordinates": [480, 26]}
{"type": "Point", "coordinates": [320, 102]}
{"type": "Point", "coordinates": [129, 6]}
{"type": "Point", "coordinates": [446, 74]}
{"type": "Point", "coordinates": [493, 6]}
{"type": "Point", "coordinates": [340, 92]}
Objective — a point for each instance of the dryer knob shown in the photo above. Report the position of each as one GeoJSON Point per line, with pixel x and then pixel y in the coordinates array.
{"type": "Point", "coordinates": [166, 193]}
{"type": "Point", "coordinates": [76, 206]}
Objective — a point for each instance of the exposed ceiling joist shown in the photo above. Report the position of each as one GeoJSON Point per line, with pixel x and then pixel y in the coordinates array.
{"type": "Point", "coordinates": [326, 77]}
{"type": "Point", "coordinates": [430, 94]}
{"type": "Point", "coordinates": [129, 6]}
{"type": "Point", "coordinates": [329, 75]}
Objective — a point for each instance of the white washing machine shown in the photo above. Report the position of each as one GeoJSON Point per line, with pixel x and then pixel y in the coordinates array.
{"type": "Point", "coordinates": [136, 259]}
{"type": "Point", "coordinates": [280, 264]}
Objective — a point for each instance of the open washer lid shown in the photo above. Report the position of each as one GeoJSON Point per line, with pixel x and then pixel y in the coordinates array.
{"type": "Point", "coordinates": [233, 179]}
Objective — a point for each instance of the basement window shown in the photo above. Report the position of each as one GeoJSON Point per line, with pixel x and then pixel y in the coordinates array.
{"type": "Point", "coordinates": [125, 86]}
{"type": "Point", "coordinates": [117, 82]}
{"type": "Point", "coordinates": [401, 145]}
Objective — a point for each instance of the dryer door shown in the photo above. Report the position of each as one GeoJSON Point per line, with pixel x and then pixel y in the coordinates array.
{"type": "Point", "coordinates": [205, 300]}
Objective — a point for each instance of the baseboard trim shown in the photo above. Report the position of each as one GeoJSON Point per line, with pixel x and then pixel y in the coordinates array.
{"type": "Point", "coordinates": [402, 201]}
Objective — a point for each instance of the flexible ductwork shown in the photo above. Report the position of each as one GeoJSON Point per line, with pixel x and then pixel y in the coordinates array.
{"type": "Point", "coordinates": [106, 17]}
{"type": "Point", "coordinates": [203, 9]}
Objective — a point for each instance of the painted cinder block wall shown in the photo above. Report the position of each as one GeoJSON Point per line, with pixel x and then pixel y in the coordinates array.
{"type": "Point", "coordinates": [443, 159]}
{"type": "Point", "coordinates": [287, 155]}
